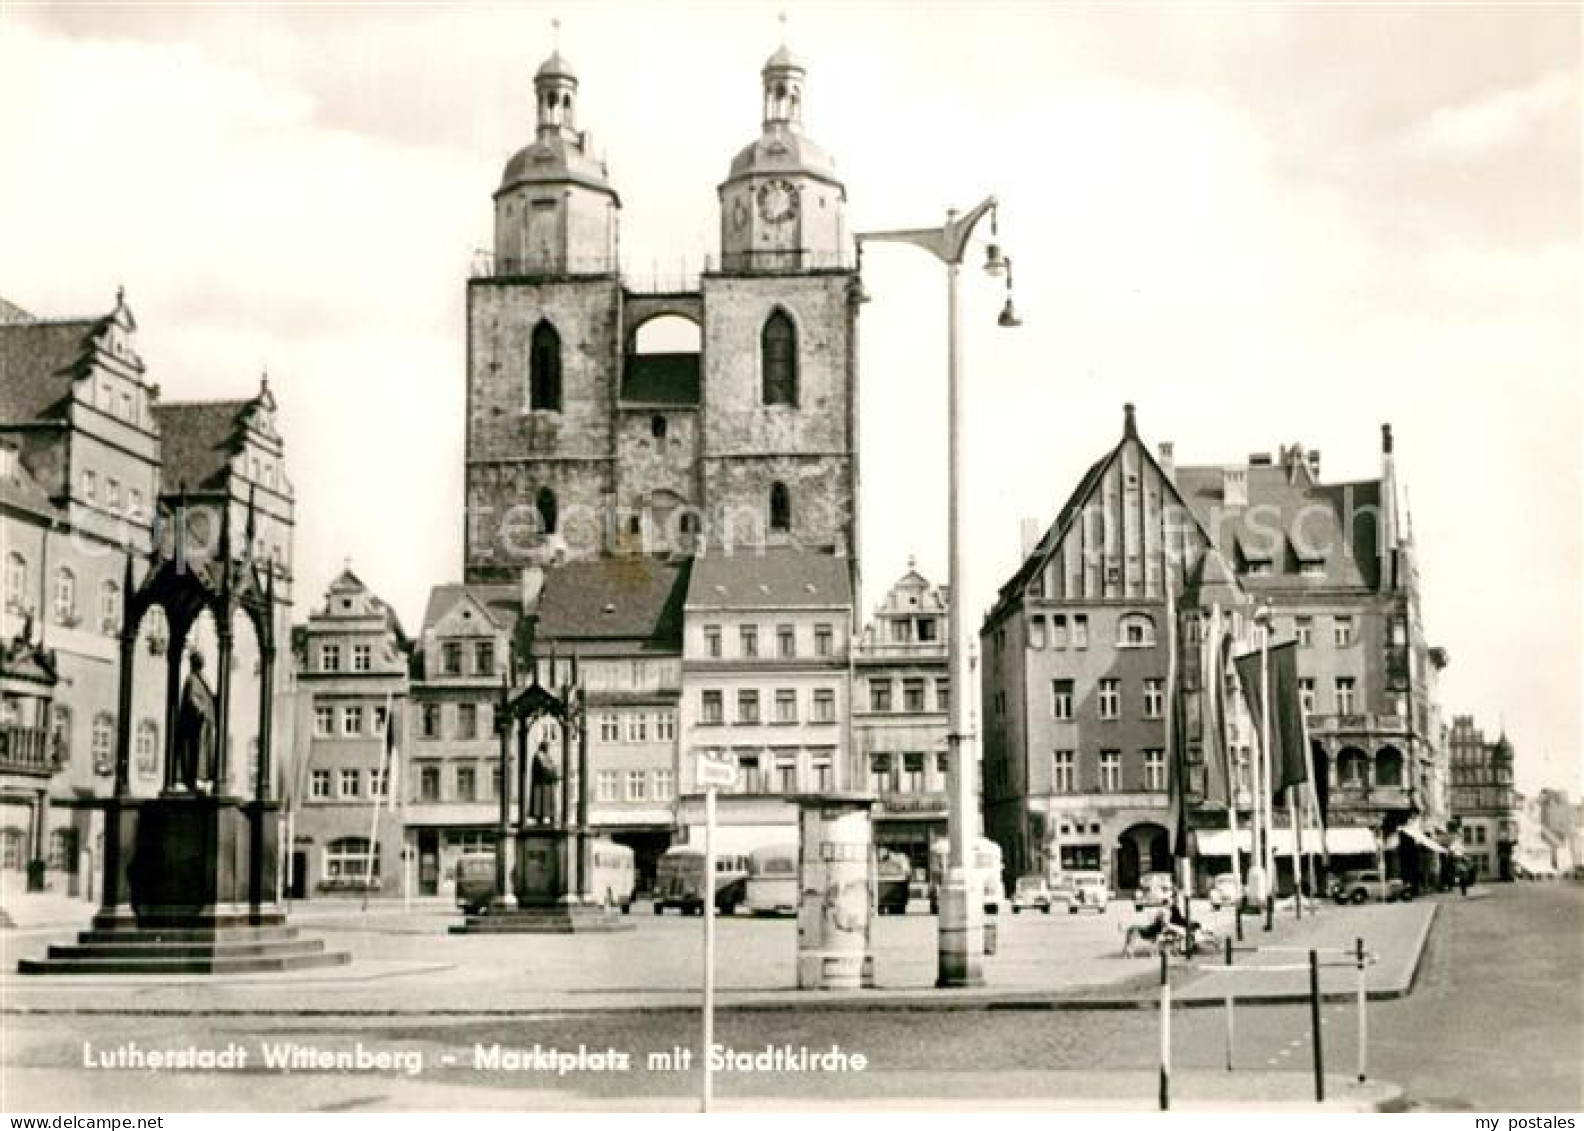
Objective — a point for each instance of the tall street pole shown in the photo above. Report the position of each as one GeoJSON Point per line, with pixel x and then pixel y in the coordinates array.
{"type": "Point", "coordinates": [961, 904]}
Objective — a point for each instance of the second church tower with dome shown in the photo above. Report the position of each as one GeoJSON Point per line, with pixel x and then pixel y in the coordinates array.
{"type": "Point", "coordinates": [579, 444]}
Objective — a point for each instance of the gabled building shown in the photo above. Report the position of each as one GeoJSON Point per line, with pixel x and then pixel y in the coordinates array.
{"type": "Point", "coordinates": [452, 755]}
{"type": "Point", "coordinates": [765, 682]}
{"type": "Point", "coordinates": [901, 692]}
{"type": "Point", "coordinates": [621, 619]}
{"type": "Point", "coordinates": [352, 684]}
{"type": "Point", "coordinates": [1485, 801]}
{"type": "Point", "coordinates": [87, 457]}
{"type": "Point", "coordinates": [1076, 664]}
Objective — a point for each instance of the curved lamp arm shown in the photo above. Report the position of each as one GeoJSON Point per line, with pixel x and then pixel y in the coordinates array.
{"type": "Point", "coordinates": [946, 243]}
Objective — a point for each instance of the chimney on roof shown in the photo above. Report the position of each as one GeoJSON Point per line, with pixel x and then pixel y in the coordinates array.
{"type": "Point", "coordinates": [1234, 486]}
{"type": "Point", "coordinates": [1029, 531]}
{"type": "Point", "coordinates": [1314, 464]}
{"type": "Point", "coordinates": [1260, 459]}
{"type": "Point", "coordinates": [1167, 458]}
{"type": "Point", "coordinates": [1129, 422]}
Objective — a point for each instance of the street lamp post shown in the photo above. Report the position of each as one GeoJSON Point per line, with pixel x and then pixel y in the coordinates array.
{"type": "Point", "coordinates": [961, 932]}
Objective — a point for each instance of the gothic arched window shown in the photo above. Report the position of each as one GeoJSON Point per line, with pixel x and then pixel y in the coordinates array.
{"type": "Point", "coordinates": [780, 507]}
{"type": "Point", "coordinates": [545, 503]}
{"type": "Point", "coordinates": [544, 369]}
{"type": "Point", "coordinates": [778, 359]}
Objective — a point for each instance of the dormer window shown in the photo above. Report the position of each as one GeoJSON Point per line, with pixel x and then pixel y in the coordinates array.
{"type": "Point", "coordinates": [1135, 630]}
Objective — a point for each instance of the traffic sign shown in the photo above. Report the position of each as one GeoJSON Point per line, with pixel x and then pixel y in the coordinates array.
{"type": "Point", "coordinates": [716, 772]}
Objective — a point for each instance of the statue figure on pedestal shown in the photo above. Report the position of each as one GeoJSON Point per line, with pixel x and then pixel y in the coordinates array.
{"type": "Point", "coordinates": [542, 779]}
{"type": "Point", "coordinates": [195, 731]}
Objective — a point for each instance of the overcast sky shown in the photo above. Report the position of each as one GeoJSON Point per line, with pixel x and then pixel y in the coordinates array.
{"type": "Point", "coordinates": [1262, 224]}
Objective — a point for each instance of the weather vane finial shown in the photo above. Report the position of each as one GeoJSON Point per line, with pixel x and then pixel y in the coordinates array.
{"type": "Point", "coordinates": [781, 16]}
{"type": "Point", "coordinates": [555, 32]}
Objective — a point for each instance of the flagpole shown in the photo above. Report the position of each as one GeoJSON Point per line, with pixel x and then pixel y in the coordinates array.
{"type": "Point", "coordinates": [1266, 769]}
{"type": "Point", "coordinates": [384, 782]}
{"type": "Point", "coordinates": [1313, 799]}
{"type": "Point", "coordinates": [1297, 850]}
{"type": "Point", "coordinates": [1215, 692]}
{"type": "Point", "coordinates": [1176, 785]}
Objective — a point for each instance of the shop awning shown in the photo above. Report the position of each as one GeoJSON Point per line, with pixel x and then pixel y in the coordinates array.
{"type": "Point", "coordinates": [1417, 835]}
{"type": "Point", "coordinates": [1338, 842]}
{"type": "Point", "coordinates": [1218, 842]}
{"type": "Point", "coordinates": [1350, 842]}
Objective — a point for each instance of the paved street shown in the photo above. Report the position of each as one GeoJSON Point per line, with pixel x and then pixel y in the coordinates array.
{"type": "Point", "coordinates": [1486, 1027]}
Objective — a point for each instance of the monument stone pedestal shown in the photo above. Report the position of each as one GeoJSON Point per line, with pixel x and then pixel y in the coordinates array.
{"type": "Point", "coordinates": [543, 906]}
{"type": "Point", "coordinates": [191, 891]}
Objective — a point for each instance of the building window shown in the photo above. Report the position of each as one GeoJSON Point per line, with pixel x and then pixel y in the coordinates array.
{"type": "Point", "coordinates": [778, 360]}
{"type": "Point", "coordinates": [484, 657]}
{"type": "Point", "coordinates": [610, 727]}
{"type": "Point", "coordinates": [544, 369]}
{"type": "Point", "coordinates": [824, 705]}
{"type": "Point", "coordinates": [1059, 632]}
{"type": "Point", "coordinates": [665, 726]}
{"type": "Point", "coordinates": [378, 785]}
{"type": "Point", "coordinates": [112, 493]}
{"type": "Point", "coordinates": [549, 510]}
{"type": "Point", "coordinates": [1155, 770]}
{"type": "Point", "coordinates": [879, 694]}
{"type": "Point", "coordinates": [820, 768]}
{"type": "Point", "coordinates": [1389, 767]}
{"type": "Point", "coordinates": [329, 657]}
{"type": "Point", "coordinates": [780, 508]}
{"type": "Point", "coordinates": [748, 707]}
{"type": "Point", "coordinates": [148, 749]}
{"type": "Point", "coordinates": [748, 775]}
{"type": "Point", "coordinates": [1062, 699]}
{"type": "Point", "coordinates": [1110, 698]}
{"type": "Point", "coordinates": [1135, 630]}
{"type": "Point", "coordinates": [712, 641]}
{"type": "Point", "coordinates": [664, 785]}
{"type": "Point", "coordinates": [823, 638]}
{"type": "Point", "coordinates": [16, 583]}
{"type": "Point", "coordinates": [349, 783]}
{"type": "Point", "coordinates": [912, 773]}
{"type": "Point", "coordinates": [943, 694]}
{"type": "Point", "coordinates": [429, 720]}
{"type": "Point", "coordinates": [429, 782]}
{"type": "Point", "coordinates": [467, 720]}
{"type": "Point", "coordinates": [110, 607]}
{"type": "Point", "coordinates": [1080, 631]}
{"type": "Point", "coordinates": [90, 486]}
{"type": "Point", "coordinates": [466, 783]}
{"type": "Point", "coordinates": [324, 722]}
{"type": "Point", "coordinates": [1064, 772]}
{"type": "Point", "coordinates": [319, 785]}
{"type": "Point", "coordinates": [786, 642]}
{"type": "Point", "coordinates": [710, 709]}
{"type": "Point", "coordinates": [638, 727]}
{"type": "Point", "coordinates": [1352, 767]}
{"type": "Point", "coordinates": [1037, 633]}
{"type": "Point", "coordinates": [1154, 698]}
{"type": "Point", "coordinates": [62, 851]}
{"type": "Point", "coordinates": [362, 657]}
{"type": "Point", "coordinates": [1303, 630]}
{"type": "Point", "coordinates": [1306, 695]}
{"type": "Point", "coordinates": [352, 721]}
{"type": "Point", "coordinates": [451, 658]}
{"type": "Point", "coordinates": [1110, 771]}
{"type": "Point", "coordinates": [60, 735]}
{"type": "Point", "coordinates": [103, 742]}
{"type": "Point", "coordinates": [786, 705]}
{"type": "Point", "coordinates": [748, 635]}
{"type": "Point", "coordinates": [927, 633]}
{"type": "Point", "coordinates": [65, 596]}
{"type": "Point", "coordinates": [379, 716]}
{"type": "Point", "coordinates": [608, 785]}
{"type": "Point", "coordinates": [913, 696]}
{"type": "Point", "coordinates": [349, 859]}
{"type": "Point", "coordinates": [1342, 632]}
{"type": "Point", "coordinates": [637, 785]}
{"type": "Point", "coordinates": [1344, 695]}
{"type": "Point", "coordinates": [880, 773]}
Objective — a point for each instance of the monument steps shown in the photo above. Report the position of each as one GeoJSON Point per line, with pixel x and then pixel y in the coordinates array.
{"type": "Point", "coordinates": [561, 920]}
{"type": "Point", "coordinates": [162, 949]}
{"type": "Point", "coordinates": [157, 964]}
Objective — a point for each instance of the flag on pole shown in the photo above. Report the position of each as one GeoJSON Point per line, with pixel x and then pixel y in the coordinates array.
{"type": "Point", "coordinates": [1176, 765]}
{"type": "Point", "coordinates": [1289, 760]}
{"type": "Point", "coordinates": [1218, 786]}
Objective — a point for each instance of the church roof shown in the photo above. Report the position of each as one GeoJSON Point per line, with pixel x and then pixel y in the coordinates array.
{"type": "Point", "coordinates": [501, 602]}
{"type": "Point", "coordinates": [783, 60]}
{"type": "Point", "coordinates": [661, 379]}
{"type": "Point", "coordinates": [782, 149]}
{"type": "Point", "coordinates": [629, 598]}
{"type": "Point", "coordinates": [197, 441]}
{"type": "Point", "coordinates": [556, 66]}
{"type": "Point", "coordinates": [552, 158]}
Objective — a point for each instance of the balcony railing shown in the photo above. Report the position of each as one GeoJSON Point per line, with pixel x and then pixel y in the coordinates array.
{"type": "Point", "coordinates": [25, 750]}
{"type": "Point", "coordinates": [676, 277]}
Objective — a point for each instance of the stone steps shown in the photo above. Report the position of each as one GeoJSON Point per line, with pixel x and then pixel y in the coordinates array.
{"type": "Point", "coordinates": [206, 947]}
{"type": "Point", "coordinates": [157, 964]}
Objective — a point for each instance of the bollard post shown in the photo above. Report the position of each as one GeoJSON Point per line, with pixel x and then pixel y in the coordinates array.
{"type": "Point", "coordinates": [1363, 1016]}
{"type": "Point", "coordinates": [1237, 919]}
{"type": "Point", "coordinates": [1270, 911]}
{"type": "Point", "coordinates": [1314, 1025]}
{"type": "Point", "coordinates": [1229, 1021]}
{"type": "Point", "coordinates": [1165, 1035]}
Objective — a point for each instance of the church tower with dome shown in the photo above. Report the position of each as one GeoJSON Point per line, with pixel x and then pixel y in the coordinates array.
{"type": "Point", "coordinates": [582, 445]}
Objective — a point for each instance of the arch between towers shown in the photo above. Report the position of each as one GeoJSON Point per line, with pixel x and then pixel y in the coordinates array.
{"type": "Point", "coordinates": [638, 309]}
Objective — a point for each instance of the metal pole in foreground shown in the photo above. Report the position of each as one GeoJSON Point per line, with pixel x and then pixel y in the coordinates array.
{"type": "Point", "coordinates": [709, 944]}
{"type": "Point", "coordinates": [1314, 1026]}
{"type": "Point", "coordinates": [1363, 1022]}
{"type": "Point", "coordinates": [1229, 1022]}
{"type": "Point", "coordinates": [1165, 1035]}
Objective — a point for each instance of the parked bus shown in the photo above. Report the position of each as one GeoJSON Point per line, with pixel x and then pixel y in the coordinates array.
{"type": "Point", "coordinates": [679, 881]}
{"type": "Point", "coordinates": [612, 877]}
{"type": "Point", "coordinates": [985, 872]}
{"type": "Point", "coordinates": [772, 887]}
